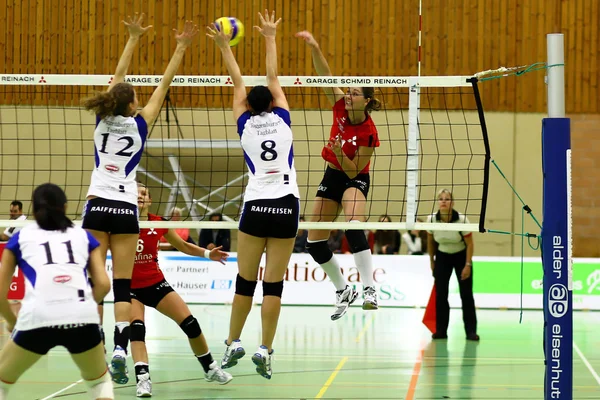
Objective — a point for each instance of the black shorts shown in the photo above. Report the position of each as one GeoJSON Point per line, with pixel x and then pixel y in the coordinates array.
{"type": "Point", "coordinates": [271, 218]}
{"type": "Point", "coordinates": [111, 216]}
{"type": "Point", "coordinates": [76, 338]}
{"type": "Point", "coordinates": [150, 296]}
{"type": "Point", "coordinates": [336, 182]}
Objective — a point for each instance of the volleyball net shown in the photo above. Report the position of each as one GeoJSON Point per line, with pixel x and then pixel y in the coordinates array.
{"type": "Point", "coordinates": [431, 129]}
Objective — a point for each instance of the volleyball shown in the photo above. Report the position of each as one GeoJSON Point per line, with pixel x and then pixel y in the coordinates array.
{"type": "Point", "coordinates": [234, 25]}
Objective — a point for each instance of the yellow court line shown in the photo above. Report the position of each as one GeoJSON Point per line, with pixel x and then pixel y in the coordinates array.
{"type": "Point", "coordinates": [331, 378]}
{"type": "Point", "coordinates": [365, 328]}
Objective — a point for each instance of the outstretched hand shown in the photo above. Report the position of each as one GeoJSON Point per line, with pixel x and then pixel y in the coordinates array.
{"type": "Point", "coordinates": [217, 33]}
{"type": "Point", "coordinates": [185, 37]}
{"type": "Point", "coordinates": [134, 25]}
{"type": "Point", "coordinates": [308, 38]}
{"type": "Point", "coordinates": [269, 25]}
{"type": "Point", "coordinates": [217, 255]}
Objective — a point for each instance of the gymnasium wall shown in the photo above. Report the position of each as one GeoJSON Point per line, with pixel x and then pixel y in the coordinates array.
{"type": "Point", "coordinates": [86, 37]}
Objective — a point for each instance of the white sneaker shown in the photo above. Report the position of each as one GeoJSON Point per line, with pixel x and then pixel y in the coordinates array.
{"type": "Point", "coordinates": [118, 366]}
{"type": "Point", "coordinates": [233, 353]}
{"type": "Point", "coordinates": [343, 300]}
{"type": "Point", "coordinates": [144, 386]}
{"type": "Point", "coordinates": [370, 298]}
{"type": "Point", "coordinates": [262, 360]}
{"type": "Point", "coordinates": [216, 374]}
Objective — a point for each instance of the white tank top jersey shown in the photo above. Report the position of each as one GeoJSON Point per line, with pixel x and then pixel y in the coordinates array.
{"type": "Point", "coordinates": [54, 263]}
{"type": "Point", "coordinates": [118, 146]}
{"type": "Point", "coordinates": [267, 142]}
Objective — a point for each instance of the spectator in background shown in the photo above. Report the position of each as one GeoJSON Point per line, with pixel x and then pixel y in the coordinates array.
{"type": "Point", "coordinates": [184, 233]}
{"type": "Point", "coordinates": [301, 237]}
{"type": "Point", "coordinates": [416, 241]}
{"type": "Point", "coordinates": [211, 238]}
{"type": "Point", "coordinates": [387, 241]}
{"type": "Point", "coordinates": [16, 213]}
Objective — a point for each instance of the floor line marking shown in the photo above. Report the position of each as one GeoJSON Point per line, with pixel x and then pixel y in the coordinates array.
{"type": "Point", "coordinates": [412, 386]}
{"type": "Point", "coordinates": [62, 390]}
{"type": "Point", "coordinates": [587, 363]}
{"type": "Point", "coordinates": [331, 378]}
{"type": "Point", "coordinates": [365, 328]}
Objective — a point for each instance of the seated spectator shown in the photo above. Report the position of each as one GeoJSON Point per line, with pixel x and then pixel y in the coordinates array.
{"type": "Point", "coordinates": [211, 238]}
{"type": "Point", "coordinates": [16, 213]}
{"type": "Point", "coordinates": [301, 238]}
{"type": "Point", "coordinates": [416, 241]}
{"type": "Point", "coordinates": [387, 241]}
{"type": "Point", "coordinates": [184, 233]}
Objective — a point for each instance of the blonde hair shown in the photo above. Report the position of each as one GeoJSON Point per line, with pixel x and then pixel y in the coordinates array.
{"type": "Point", "coordinates": [447, 191]}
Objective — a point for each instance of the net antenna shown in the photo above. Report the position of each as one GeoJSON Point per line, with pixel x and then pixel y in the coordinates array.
{"type": "Point", "coordinates": [556, 232]}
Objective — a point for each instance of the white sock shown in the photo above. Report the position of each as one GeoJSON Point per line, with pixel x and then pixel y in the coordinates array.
{"type": "Point", "coordinates": [364, 263]}
{"type": "Point", "coordinates": [333, 270]}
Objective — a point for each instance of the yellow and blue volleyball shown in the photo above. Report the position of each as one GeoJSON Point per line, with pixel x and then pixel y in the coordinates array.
{"type": "Point", "coordinates": [233, 25]}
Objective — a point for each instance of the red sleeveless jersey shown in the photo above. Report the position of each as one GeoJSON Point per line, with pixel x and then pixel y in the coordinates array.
{"type": "Point", "coordinates": [146, 271]}
{"type": "Point", "coordinates": [352, 136]}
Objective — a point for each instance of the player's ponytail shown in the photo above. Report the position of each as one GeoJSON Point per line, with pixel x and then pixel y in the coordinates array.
{"type": "Point", "coordinates": [374, 104]}
{"type": "Point", "coordinates": [49, 203]}
{"type": "Point", "coordinates": [114, 102]}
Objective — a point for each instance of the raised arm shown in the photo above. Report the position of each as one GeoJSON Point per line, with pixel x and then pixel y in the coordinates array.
{"type": "Point", "coordinates": [184, 39]}
{"type": "Point", "coordinates": [217, 33]}
{"type": "Point", "coordinates": [134, 25]}
{"type": "Point", "coordinates": [269, 31]}
{"type": "Point", "coordinates": [333, 93]}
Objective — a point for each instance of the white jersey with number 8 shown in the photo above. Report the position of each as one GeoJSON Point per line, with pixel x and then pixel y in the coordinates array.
{"type": "Point", "coordinates": [57, 290]}
{"type": "Point", "coordinates": [267, 142]}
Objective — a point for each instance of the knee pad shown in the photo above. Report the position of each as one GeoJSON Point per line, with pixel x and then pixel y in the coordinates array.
{"type": "Point", "coordinates": [191, 327]}
{"type": "Point", "coordinates": [272, 288]}
{"type": "Point", "coordinates": [137, 331]}
{"type": "Point", "coordinates": [122, 290]}
{"type": "Point", "coordinates": [319, 251]}
{"type": "Point", "coordinates": [101, 388]}
{"type": "Point", "coordinates": [244, 287]}
{"type": "Point", "coordinates": [357, 240]}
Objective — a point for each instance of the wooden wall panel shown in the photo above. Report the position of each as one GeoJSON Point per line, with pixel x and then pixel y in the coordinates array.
{"type": "Point", "coordinates": [357, 37]}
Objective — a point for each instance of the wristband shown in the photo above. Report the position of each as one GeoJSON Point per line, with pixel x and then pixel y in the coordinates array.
{"type": "Point", "coordinates": [207, 253]}
{"type": "Point", "coordinates": [468, 263]}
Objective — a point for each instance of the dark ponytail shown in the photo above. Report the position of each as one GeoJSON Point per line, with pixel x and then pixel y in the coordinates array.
{"type": "Point", "coordinates": [374, 104]}
{"type": "Point", "coordinates": [49, 203]}
{"type": "Point", "coordinates": [114, 102]}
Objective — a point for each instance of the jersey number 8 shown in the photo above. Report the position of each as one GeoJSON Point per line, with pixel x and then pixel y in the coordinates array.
{"type": "Point", "coordinates": [269, 153]}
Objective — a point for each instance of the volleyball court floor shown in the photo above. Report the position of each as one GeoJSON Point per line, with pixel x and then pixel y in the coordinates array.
{"type": "Point", "coordinates": [384, 354]}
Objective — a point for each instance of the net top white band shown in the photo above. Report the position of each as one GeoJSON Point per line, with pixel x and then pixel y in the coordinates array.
{"type": "Point", "coordinates": [223, 80]}
{"type": "Point", "coordinates": [302, 225]}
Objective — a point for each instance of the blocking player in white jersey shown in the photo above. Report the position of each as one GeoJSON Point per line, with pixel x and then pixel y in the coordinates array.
{"type": "Point", "coordinates": [59, 308]}
{"type": "Point", "coordinates": [270, 213]}
{"type": "Point", "coordinates": [110, 213]}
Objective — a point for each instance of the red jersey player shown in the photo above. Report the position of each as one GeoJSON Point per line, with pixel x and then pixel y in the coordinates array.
{"type": "Point", "coordinates": [150, 288]}
{"type": "Point", "coordinates": [352, 141]}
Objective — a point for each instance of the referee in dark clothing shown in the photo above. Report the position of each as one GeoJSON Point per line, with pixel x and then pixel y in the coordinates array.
{"type": "Point", "coordinates": [451, 251]}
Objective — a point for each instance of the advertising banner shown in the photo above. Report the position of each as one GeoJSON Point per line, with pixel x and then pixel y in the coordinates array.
{"type": "Point", "coordinates": [401, 281]}
{"type": "Point", "coordinates": [17, 286]}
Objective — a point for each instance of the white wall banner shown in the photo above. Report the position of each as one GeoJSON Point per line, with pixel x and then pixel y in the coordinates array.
{"type": "Point", "coordinates": [400, 280]}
